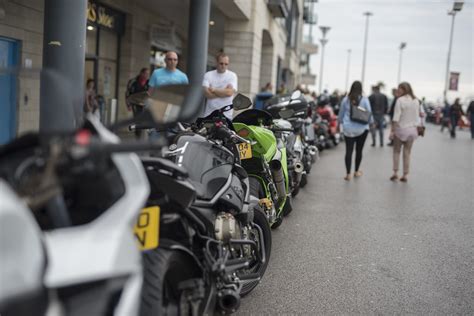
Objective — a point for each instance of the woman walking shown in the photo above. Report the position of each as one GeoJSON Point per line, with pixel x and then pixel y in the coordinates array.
{"type": "Point", "coordinates": [404, 131]}
{"type": "Point", "coordinates": [355, 132]}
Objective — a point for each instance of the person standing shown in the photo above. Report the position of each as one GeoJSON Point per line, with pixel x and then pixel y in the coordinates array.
{"type": "Point", "coordinates": [392, 108]}
{"type": "Point", "coordinates": [446, 116]}
{"type": "Point", "coordinates": [90, 100]}
{"type": "Point", "coordinates": [470, 112]}
{"type": "Point", "coordinates": [169, 75]}
{"type": "Point", "coordinates": [220, 85]}
{"type": "Point", "coordinates": [355, 133]}
{"type": "Point", "coordinates": [456, 113]}
{"type": "Point", "coordinates": [406, 119]}
{"type": "Point", "coordinates": [379, 105]}
{"type": "Point", "coordinates": [137, 85]}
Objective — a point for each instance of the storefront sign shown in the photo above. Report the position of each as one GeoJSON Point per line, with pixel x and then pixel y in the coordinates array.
{"type": "Point", "coordinates": [454, 81]}
{"type": "Point", "coordinates": [105, 17]}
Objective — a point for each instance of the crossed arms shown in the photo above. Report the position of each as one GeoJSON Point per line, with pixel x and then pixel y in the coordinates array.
{"type": "Point", "coordinates": [212, 93]}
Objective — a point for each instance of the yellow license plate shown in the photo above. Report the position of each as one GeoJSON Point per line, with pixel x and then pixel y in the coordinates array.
{"type": "Point", "coordinates": [147, 228]}
{"type": "Point", "coordinates": [245, 150]}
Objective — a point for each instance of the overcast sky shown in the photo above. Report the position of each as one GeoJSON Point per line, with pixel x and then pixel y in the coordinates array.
{"type": "Point", "coordinates": [423, 24]}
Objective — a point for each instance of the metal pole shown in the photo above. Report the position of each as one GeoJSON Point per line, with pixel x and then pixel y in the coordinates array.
{"type": "Point", "coordinates": [323, 44]}
{"type": "Point", "coordinates": [446, 83]}
{"type": "Point", "coordinates": [367, 14]}
{"type": "Point", "coordinates": [348, 67]}
{"type": "Point", "coordinates": [62, 78]}
{"type": "Point", "coordinates": [399, 66]}
{"type": "Point", "coordinates": [324, 41]}
{"type": "Point", "coordinates": [199, 13]}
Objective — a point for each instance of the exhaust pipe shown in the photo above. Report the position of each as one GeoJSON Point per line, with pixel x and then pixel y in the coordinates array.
{"type": "Point", "coordinates": [228, 301]}
{"type": "Point", "coordinates": [279, 178]}
{"type": "Point", "coordinates": [299, 168]}
{"type": "Point", "coordinates": [314, 153]}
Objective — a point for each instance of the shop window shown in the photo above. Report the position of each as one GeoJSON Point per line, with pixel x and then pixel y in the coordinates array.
{"type": "Point", "coordinates": [108, 45]}
{"type": "Point", "coordinates": [91, 41]}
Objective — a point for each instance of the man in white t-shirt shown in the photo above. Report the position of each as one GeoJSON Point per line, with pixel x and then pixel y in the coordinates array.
{"type": "Point", "coordinates": [220, 85]}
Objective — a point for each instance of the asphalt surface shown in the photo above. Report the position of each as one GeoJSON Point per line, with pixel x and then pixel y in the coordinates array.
{"type": "Point", "coordinates": [372, 246]}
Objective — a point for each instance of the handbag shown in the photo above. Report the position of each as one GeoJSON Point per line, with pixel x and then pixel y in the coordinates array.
{"type": "Point", "coordinates": [421, 130]}
{"type": "Point", "coordinates": [359, 114]}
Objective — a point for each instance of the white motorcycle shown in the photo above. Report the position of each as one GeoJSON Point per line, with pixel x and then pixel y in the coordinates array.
{"type": "Point", "coordinates": [68, 209]}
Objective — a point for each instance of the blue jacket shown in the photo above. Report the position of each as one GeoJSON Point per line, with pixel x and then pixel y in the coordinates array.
{"type": "Point", "coordinates": [351, 128]}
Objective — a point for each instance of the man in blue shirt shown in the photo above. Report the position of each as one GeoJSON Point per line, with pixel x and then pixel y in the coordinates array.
{"type": "Point", "coordinates": [168, 75]}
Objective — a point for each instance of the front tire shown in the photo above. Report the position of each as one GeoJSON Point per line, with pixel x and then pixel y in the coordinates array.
{"type": "Point", "coordinates": [163, 271]}
{"type": "Point", "coordinates": [261, 221]}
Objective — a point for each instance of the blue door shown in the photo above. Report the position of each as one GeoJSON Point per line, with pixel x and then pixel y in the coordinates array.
{"type": "Point", "coordinates": [8, 61]}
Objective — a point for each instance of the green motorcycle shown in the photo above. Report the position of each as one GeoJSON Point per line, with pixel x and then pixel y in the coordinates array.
{"type": "Point", "coordinates": [266, 163]}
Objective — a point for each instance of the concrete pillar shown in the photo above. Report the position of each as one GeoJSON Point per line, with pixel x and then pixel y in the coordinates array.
{"type": "Point", "coordinates": [244, 50]}
{"type": "Point", "coordinates": [267, 66]}
{"type": "Point", "coordinates": [62, 79]}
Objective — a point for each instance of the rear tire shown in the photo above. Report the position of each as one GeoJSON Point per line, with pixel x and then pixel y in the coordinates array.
{"type": "Point", "coordinates": [163, 270]}
{"type": "Point", "coordinates": [261, 221]}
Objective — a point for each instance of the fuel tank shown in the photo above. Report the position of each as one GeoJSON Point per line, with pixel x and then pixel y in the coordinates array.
{"type": "Point", "coordinates": [209, 165]}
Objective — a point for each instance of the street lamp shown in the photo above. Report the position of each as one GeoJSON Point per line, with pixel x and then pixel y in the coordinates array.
{"type": "Point", "coordinates": [348, 67]}
{"type": "Point", "coordinates": [367, 14]}
{"type": "Point", "coordinates": [456, 8]}
{"type": "Point", "coordinates": [324, 41]}
{"type": "Point", "coordinates": [402, 46]}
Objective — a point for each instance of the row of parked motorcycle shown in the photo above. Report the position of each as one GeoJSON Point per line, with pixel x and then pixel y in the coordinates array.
{"type": "Point", "coordinates": [179, 226]}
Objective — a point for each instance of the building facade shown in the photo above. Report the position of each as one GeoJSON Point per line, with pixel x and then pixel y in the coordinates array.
{"type": "Point", "coordinates": [263, 39]}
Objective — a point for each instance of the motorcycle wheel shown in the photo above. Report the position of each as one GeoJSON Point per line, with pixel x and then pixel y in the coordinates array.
{"type": "Point", "coordinates": [277, 223]}
{"type": "Point", "coordinates": [261, 221]}
{"type": "Point", "coordinates": [294, 193]}
{"type": "Point", "coordinates": [163, 271]}
{"type": "Point", "coordinates": [304, 180]}
{"type": "Point", "coordinates": [257, 191]}
{"type": "Point", "coordinates": [288, 207]}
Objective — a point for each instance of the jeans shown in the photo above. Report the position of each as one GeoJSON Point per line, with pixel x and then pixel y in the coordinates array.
{"type": "Point", "coordinates": [379, 121]}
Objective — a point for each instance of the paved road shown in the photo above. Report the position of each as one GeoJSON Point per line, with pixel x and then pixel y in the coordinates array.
{"type": "Point", "coordinates": [370, 246]}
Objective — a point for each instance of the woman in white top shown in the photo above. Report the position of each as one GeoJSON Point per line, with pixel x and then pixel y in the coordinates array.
{"type": "Point", "coordinates": [406, 119]}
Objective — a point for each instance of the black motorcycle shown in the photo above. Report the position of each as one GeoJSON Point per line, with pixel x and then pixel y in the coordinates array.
{"type": "Point", "coordinates": [214, 242]}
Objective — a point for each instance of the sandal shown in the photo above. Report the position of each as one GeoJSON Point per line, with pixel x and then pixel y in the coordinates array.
{"type": "Point", "coordinates": [403, 179]}
{"type": "Point", "coordinates": [357, 174]}
{"type": "Point", "coordinates": [394, 178]}
{"type": "Point", "coordinates": [348, 177]}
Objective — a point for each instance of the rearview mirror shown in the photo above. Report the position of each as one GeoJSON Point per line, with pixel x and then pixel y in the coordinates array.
{"type": "Point", "coordinates": [296, 94]}
{"type": "Point", "coordinates": [167, 104]}
{"type": "Point", "coordinates": [241, 102]}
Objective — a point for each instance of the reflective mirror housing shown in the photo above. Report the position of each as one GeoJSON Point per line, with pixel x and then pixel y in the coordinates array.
{"type": "Point", "coordinates": [296, 94]}
{"type": "Point", "coordinates": [241, 102]}
{"type": "Point", "coordinates": [169, 104]}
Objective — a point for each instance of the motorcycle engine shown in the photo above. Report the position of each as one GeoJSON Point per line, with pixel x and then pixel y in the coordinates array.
{"type": "Point", "coordinates": [226, 227]}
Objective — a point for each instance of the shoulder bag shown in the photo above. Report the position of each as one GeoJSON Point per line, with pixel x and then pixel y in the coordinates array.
{"type": "Point", "coordinates": [359, 114]}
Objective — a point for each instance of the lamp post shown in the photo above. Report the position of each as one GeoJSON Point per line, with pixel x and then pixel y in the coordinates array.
{"type": "Point", "coordinates": [367, 14]}
{"type": "Point", "coordinates": [402, 46]}
{"type": "Point", "coordinates": [324, 41]}
{"type": "Point", "coordinates": [348, 67]}
{"type": "Point", "coordinates": [456, 8]}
